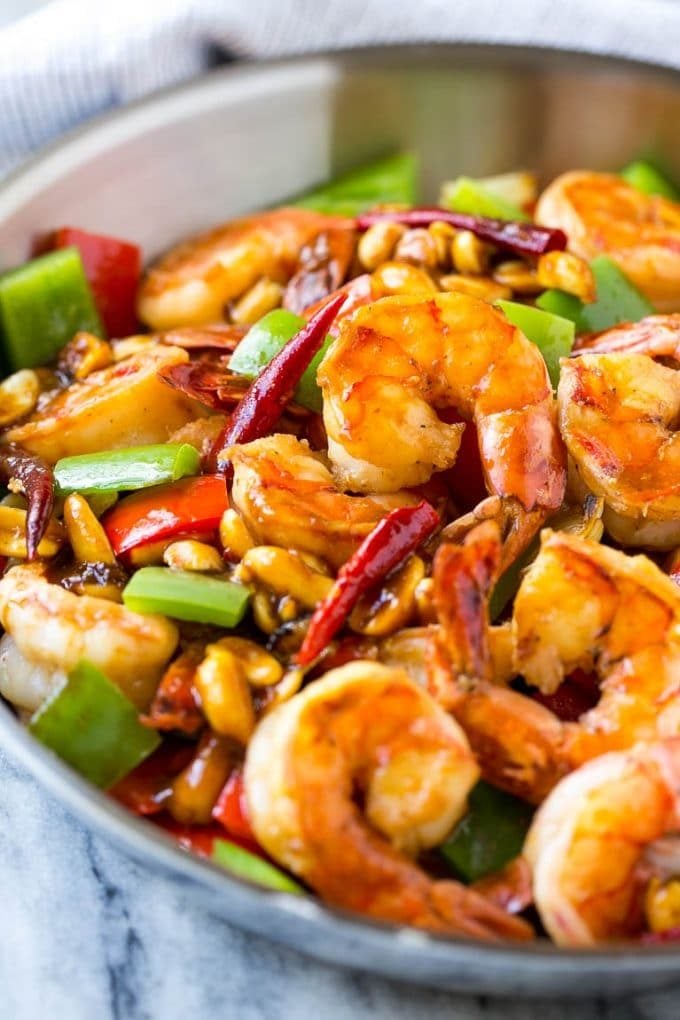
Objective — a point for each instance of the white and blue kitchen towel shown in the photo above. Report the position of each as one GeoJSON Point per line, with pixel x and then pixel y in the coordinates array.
{"type": "Point", "coordinates": [76, 58]}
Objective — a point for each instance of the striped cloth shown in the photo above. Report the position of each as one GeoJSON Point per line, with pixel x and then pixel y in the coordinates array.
{"type": "Point", "coordinates": [76, 58]}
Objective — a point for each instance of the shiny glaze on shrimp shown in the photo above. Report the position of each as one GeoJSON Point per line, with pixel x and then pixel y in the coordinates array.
{"type": "Point", "coordinates": [588, 840]}
{"type": "Point", "coordinates": [367, 727]}
{"type": "Point", "coordinates": [286, 495]}
{"type": "Point", "coordinates": [656, 335]}
{"type": "Point", "coordinates": [618, 415]}
{"type": "Point", "coordinates": [193, 282]}
{"type": "Point", "coordinates": [602, 214]}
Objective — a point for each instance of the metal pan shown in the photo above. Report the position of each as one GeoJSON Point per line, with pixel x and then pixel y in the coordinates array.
{"type": "Point", "coordinates": [241, 139]}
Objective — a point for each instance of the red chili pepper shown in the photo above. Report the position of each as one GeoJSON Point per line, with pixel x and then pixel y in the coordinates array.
{"type": "Point", "coordinates": [37, 481]}
{"type": "Point", "coordinates": [231, 809]}
{"type": "Point", "coordinates": [189, 506]}
{"type": "Point", "coordinates": [112, 268]}
{"type": "Point", "coordinates": [390, 542]}
{"type": "Point", "coordinates": [466, 478]}
{"type": "Point", "coordinates": [523, 238]}
{"type": "Point", "coordinates": [199, 839]}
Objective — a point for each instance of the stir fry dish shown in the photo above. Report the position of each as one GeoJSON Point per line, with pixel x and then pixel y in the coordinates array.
{"type": "Point", "coordinates": [342, 543]}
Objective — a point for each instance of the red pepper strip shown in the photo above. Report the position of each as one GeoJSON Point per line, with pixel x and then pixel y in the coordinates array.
{"type": "Point", "coordinates": [112, 268]}
{"type": "Point", "coordinates": [390, 542]}
{"type": "Point", "coordinates": [38, 484]}
{"type": "Point", "coordinates": [192, 505]}
{"type": "Point", "coordinates": [264, 400]}
{"type": "Point", "coordinates": [523, 238]}
{"type": "Point", "coordinates": [231, 809]}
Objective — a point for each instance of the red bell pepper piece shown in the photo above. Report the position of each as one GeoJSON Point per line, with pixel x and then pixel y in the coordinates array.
{"type": "Point", "coordinates": [231, 809]}
{"type": "Point", "coordinates": [199, 839]}
{"type": "Point", "coordinates": [522, 238]}
{"type": "Point", "coordinates": [397, 535]}
{"type": "Point", "coordinates": [145, 790]}
{"type": "Point", "coordinates": [188, 506]}
{"type": "Point", "coordinates": [113, 268]}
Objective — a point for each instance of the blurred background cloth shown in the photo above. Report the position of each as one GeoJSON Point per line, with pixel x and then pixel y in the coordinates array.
{"type": "Point", "coordinates": [73, 59]}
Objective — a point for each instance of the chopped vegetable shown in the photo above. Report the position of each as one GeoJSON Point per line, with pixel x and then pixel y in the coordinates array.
{"type": "Point", "coordinates": [137, 467]}
{"type": "Point", "coordinates": [397, 535]}
{"type": "Point", "coordinates": [186, 596]}
{"type": "Point", "coordinates": [647, 178]}
{"type": "Point", "coordinates": [618, 300]}
{"type": "Point", "coordinates": [265, 339]}
{"type": "Point", "coordinates": [490, 835]}
{"type": "Point", "coordinates": [113, 268]}
{"type": "Point", "coordinates": [391, 179]}
{"type": "Point", "coordinates": [231, 810]}
{"type": "Point", "coordinates": [523, 238]}
{"type": "Point", "coordinates": [189, 506]}
{"type": "Point", "coordinates": [467, 195]}
{"type": "Point", "coordinates": [42, 305]}
{"type": "Point", "coordinates": [37, 483]}
{"type": "Point", "coordinates": [91, 725]}
{"type": "Point", "coordinates": [243, 864]}
{"type": "Point", "coordinates": [553, 335]}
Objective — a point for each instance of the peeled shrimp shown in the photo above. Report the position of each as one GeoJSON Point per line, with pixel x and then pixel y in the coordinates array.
{"type": "Point", "coordinates": [54, 629]}
{"type": "Point", "coordinates": [655, 335]}
{"type": "Point", "coordinates": [193, 282]}
{"type": "Point", "coordinates": [602, 214]}
{"type": "Point", "coordinates": [618, 416]}
{"type": "Point", "coordinates": [287, 497]}
{"type": "Point", "coordinates": [369, 728]}
{"type": "Point", "coordinates": [400, 360]}
{"type": "Point", "coordinates": [587, 842]}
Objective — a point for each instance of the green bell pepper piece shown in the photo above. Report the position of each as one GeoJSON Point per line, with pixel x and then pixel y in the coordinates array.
{"type": "Point", "coordinates": [647, 178]}
{"type": "Point", "coordinates": [467, 195]}
{"type": "Point", "coordinates": [618, 300]}
{"type": "Point", "coordinates": [243, 864]}
{"type": "Point", "coordinates": [490, 835]}
{"type": "Point", "coordinates": [137, 467]}
{"type": "Point", "coordinates": [42, 305]}
{"type": "Point", "coordinates": [185, 595]}
{"type": "Point", "coordinates": [95, 729]}
{"type": "Point", "coordinates": [391, 179]}
{"type": "Point", "coordinates": [553, 335]}
{"type": "Point", "coordinates": [265, 339]}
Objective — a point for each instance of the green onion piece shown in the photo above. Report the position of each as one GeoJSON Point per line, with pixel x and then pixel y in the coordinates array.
{"type": "Point", "coordinates": [265, 339]}
{"type": "Point", "coordinates": [185, 595]}
{"type": "Point", "coordinates": [137, 467]}
{"type": "Point", "coordinates": [467, 195]}
{"type": "Point", "coordinates": [647, 178]}
{"type": "Point", "coordinates": [509, 582]}
{"type": "Point", "coordinates": [553, 335]}
{"type": "Point", "coordinates": [558, 302]}
{"type": "Point", "coordinates": [490, 835]}
{"type": "Point", "coordinates": [618, 300]}
{"type": "Point", "coordinates": [392, 179]}
{"type": "Point", "coordinates": [95, 729]}
{"type": "Point", "coordinates": [243, 864]}
{"type": "Point", "coordinates": [42, 305]}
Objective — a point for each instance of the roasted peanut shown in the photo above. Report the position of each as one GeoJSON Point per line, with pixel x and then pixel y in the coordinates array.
{"type": "Point", "coordinates": [259, 667]}
{"type": "Point", "coordinates": [13, 535]}
{"type": "Point", "coordinates": [18, 395]}
{"type": "Point", "coordinates": [377, 244]}
{"type": "Point", "coordinates": [567, 272]}
{"type": "Point", "coordinates": [263, 297]}
{"type": "Point", "coordinates": [225, 696]}
{"type": "Point", "coordinates": [286, 573]}
{"type": "Point", "coordinates": [234, 535]}
{"type": "Point", "coordinates": [394, 604]}
{"type": "Point", "coordinates": [196, 789]}
{"type": "Point", "coordinates": [662, 904]}
{"type": "Point", "coordinates": [189, 554]}
{"type": "Point", "coordinates": [469, 254]}
{"type": "Point", "coordinates": [442, 235]}
{"type": "Point", "coordinates": [85, 533]}
{"type": "Point", "coordinates": [402, 278]}
{"type": "Point", "coordinates": [418, 247]}
{"type": "Point", "coordinates": [475, 286]}
{"type": "Point", "coordinates": [518, 276]}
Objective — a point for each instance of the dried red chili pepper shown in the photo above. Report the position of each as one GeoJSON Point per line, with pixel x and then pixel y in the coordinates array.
{"type": "Point", "coordinates": [322, 267]}
{"type": "Point", "coordinates": [216, 387]}
{"type": "Point", "coordinates": [176, 705]}
{"type": "Point", "coordinates": [394, 537]}
{"type": "Point", "coordinates": [37, 482]}
{"type": "Point", "coordinates": [522, 238]}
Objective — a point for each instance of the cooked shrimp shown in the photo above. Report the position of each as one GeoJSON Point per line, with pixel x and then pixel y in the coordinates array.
{"type": "Point", "coordinates": [193, 282]}
{"type": "Point", "coordinates": [55, 629]}
{"type": "Point", "coordinates": [400, 360]}
{"type": "Point", "coordinates": [287, 497]}
{"type": "Point", "coordinates": [587, 842]}
{"type": "Point", "coordinates": [369, 728]}
{"type": "Point", "coordinates": [655, 335]}
{"type": "Point", "coordinates": [618, 416]}
{"type": "Point", "coordinates": [602, 214]}
{"type": "Point", "coordinates": [123, 405]}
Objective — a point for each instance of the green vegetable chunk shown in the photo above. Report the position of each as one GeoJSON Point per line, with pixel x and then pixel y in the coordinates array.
{"type": "Point", "coordinates": [186, 596]}
{"type": "Point", "coordinates": [553, 335]}
{"type": "Point", "coordinates": [137, 467]}
{"type": "Point", "coordinates": [95, 729]}
{"type": "Point", "coordinates": [42, 305]}
{"type": "Point", "coordinates": [618, 300]}
{"type": "Point", "coordinates": [392, 179]}
{"type": "Point", "coordinates": [647, 178]}
{"type": "Point", "coordinates": [243, 864]}
{"type": "Point", "coordinates": [490, 835]}
{"type": "Point", "coordinates": [265, 339]}
{"type": "Point", "coordinates": [467, 195]}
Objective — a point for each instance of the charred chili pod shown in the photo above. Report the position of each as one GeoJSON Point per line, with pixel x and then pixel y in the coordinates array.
{"type": "Point", "coordinates": [37, 483]}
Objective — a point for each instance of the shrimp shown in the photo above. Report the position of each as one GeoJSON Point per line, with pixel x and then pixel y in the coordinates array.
{"type": "Point", "coordinates": [656, 335]}
{"type": "Point", "coordinates": [54, 629]}
{"type": "Point", "coordinates": [588, 841]}
{"type": "Point", "coordinates": [192, 283]}
{"type": "Point", "coordinates": [286, 495]}
{"type": "Point", "coordinates": [367, 728]}
{"type": "Point", "coordinates": [400, 360]}
{"type": "Point", "coordinates": [123, 405]}
{"type": "Point", "coordinates": [602, 214]}
{"type": "Point", "coordinates": [618, 415]}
